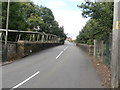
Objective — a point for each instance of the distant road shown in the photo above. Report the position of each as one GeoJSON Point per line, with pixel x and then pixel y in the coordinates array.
{"type": "Point", "coordinates": [65, 66]}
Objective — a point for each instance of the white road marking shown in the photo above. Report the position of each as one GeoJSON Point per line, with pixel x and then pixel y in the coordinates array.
{"type": "Point", "coordinates": [65, 48]}
{"type": "Point", "coordinates": [61, 53]}
{"type": "Point", "coordinates": [25, 81]}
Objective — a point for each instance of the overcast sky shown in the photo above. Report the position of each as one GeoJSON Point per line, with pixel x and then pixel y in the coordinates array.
{"type": "Point", "coordinates": [66, 13]}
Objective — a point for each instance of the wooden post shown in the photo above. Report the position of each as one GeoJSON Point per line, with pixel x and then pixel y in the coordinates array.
{"type": "Point", "coordinates": [115, 62]}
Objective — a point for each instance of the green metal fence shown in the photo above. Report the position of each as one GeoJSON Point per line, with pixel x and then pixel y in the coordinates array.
{"type": "Point", "coordinates": [103, 49]}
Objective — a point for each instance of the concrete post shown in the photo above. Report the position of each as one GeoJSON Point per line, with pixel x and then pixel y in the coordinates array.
{"type": "Point", "coordinates": [19, 37]}
{"type": "Point", "coordinates": [102, 50]}
{"type": "Point", "coordinates": [42, 40]}
{"type": "Point", "coordinates": [115, 62]}
{"type": "Point", "coordinates": [94, 47]}
{"type": "Point", "coordinates": [38, 37]}
{"type": "Point", "coordinates": [33, 37]}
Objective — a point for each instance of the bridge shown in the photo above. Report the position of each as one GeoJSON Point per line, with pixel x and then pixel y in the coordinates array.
{"type": "Point", "coordinates": [28, 36]}
{"type": "Point", "coordinates": [29, 40]}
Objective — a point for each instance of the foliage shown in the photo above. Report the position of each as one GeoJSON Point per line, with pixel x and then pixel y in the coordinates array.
{"type": "Point", "coordinates": [100, 24]}
{"type": "Point", "coordinates": [30, 17]}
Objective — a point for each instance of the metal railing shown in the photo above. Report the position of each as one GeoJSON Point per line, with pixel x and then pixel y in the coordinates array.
{"type": "Point", "coordinates": [28, 36]}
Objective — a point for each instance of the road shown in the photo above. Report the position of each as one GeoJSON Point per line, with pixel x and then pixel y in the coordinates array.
{"type": "Point", "coordinates": [65, 66]}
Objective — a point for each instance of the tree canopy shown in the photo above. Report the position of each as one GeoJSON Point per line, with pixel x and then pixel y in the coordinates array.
{"type": "Point", "coordinates": [27, 16]}
{"type": "Point", "coordinates": [100, 24]}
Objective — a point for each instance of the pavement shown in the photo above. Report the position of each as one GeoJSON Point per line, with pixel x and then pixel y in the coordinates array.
{"type": "Point", "coordinates": [64, 66]}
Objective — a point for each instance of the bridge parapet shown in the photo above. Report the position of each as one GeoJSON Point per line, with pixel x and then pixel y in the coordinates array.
{"type": "Point", "coordinates": [29, 36]}
{"type": "Point", "coordinates": [23, 43]}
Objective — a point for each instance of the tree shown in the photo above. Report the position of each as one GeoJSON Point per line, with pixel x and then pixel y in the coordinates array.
{"type": "Point", "coordinates": [27, 16]}
{"type": "Point", "coordinates": [100, 25]}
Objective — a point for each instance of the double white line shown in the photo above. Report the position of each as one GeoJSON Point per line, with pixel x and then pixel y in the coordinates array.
{"type": "Point", "coordinates": [61, 53]}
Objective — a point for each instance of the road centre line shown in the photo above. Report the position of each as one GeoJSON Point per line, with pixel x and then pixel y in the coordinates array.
{"type": "Point", "coordinates": [18, 85]}
{"type": "Point", "coordinates": [65, 48]}
{"type": "Point", "coordinates": [61, 53]}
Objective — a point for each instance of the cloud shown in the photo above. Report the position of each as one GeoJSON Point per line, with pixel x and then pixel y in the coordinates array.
{"type": "Point", "coordinates": [67, 14]}
{"type": "Point", "coordinates": [72, 21]}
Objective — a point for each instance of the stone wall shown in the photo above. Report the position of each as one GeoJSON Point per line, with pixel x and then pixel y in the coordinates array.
{"type": "Point", "coordinates": [22, 49]}
{"type": "Point", "coordinates": [27, 48]}
{"type": "Point", "coordinates": [11, 48]}
{"type": "Point", "coordinates": [87, 48]}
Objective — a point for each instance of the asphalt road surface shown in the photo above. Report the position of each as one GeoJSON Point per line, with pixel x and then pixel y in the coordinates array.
{"type": "Point", "coordinates": [65, 66]}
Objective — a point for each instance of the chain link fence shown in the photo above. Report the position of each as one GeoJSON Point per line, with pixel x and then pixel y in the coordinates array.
{"type": "Point", "coordinates": [102, 50]}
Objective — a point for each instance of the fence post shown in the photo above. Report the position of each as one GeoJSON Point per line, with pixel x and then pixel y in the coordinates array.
{"type": "Point", "coordinates": [94, 47]}
{"type": "Point", "coordinates": [115, 62]}
{"type": "Point", "coordinates": [102, 50]}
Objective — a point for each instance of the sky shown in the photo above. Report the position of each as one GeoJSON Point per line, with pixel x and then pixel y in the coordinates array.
{"type": "Point", "coordinates": [67, 14]}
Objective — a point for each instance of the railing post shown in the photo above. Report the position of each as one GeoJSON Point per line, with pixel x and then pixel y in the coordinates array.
{"type": "Point", "coordinates": [33, 37]}
{"type": "Point", "coordinates": [19, 37]}
{"type": "Point", "coordinates": [38, 37]}
{"type": "Point", "coordinates": [42, 40]}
